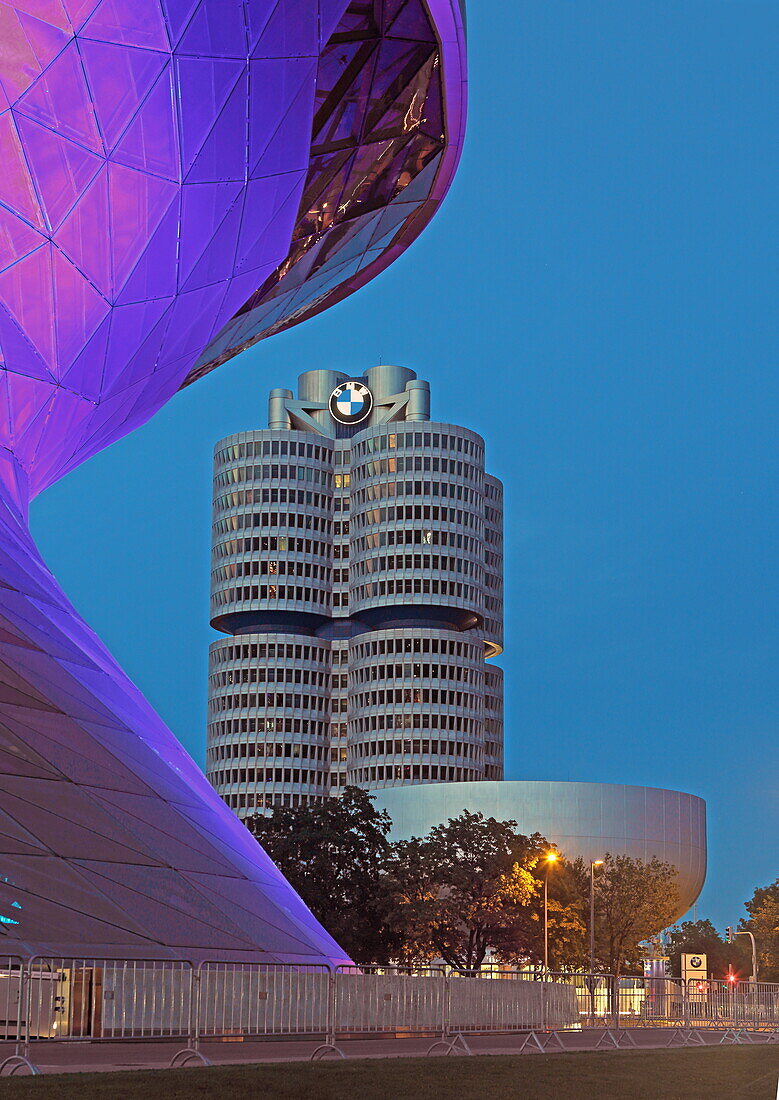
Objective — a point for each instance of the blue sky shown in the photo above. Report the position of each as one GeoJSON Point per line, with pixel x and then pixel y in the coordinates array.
{"type": "Point", "coordinates": [597, 297]}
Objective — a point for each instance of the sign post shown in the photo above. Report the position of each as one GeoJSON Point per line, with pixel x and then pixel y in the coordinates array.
{"type": "Point", "coordinates": [694, 966]}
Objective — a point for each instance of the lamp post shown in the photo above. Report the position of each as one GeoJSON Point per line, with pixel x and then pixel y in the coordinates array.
{"type": "Point", "coordinates": [591, 978]}
{"type": "Point", "coordinates": [551, 859]}
{"type": "Point", "coordinates": [593, 864]}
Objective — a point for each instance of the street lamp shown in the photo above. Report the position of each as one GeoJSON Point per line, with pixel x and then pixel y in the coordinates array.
{"type": "Point", "coordinates": [593, 864]}
{"type": "Point", "coordinates": [551, 859]}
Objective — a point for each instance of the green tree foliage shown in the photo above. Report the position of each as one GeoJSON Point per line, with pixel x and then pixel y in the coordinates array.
{"type": "Point", "coordinates": [701, 938]}
{"type": "Point", "coordinates": [333, 853]}
{"type": "Point", "coordinates": [763, 922]}
{"type": "Point", "coordinates": [634, 899]}
{"type": "Point", "coordinates": [470, 885]}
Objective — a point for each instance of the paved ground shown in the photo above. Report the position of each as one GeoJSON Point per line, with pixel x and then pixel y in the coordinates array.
{"type": "Point", "coordinates": [82, 1056]}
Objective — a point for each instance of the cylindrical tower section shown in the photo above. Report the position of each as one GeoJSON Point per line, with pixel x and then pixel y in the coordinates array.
{"type": "Point", "coordinates": [493, 566]}
{"type": "Point", "coordinates": [386, 381]}
{"type": "Point", "coordinates": [316, 386]}
{"type": "Point", "coordinates": [416, 707]}
{"type": "Point", "coordinates": [417, 526]}
{"type": "Point", "coordinates": [269, 720]}
{"type": "Point", "coordinates": [272, 532]}
{"type": "Point", "coordinates": [418, 408]}
{"type": "Point", "coordinates": [278, 417]}
{"type": "Point", "coordinates": [493, 722]}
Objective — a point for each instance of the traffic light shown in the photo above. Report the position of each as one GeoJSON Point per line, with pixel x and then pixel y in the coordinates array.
{"type": "Point", "coordinates": [728, 935]}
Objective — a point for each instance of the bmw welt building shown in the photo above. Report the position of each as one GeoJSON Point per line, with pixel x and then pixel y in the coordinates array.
{"type": "Point", "coordinates": [357, 578]}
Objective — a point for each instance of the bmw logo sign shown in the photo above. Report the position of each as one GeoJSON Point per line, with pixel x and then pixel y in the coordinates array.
{"type": "Point", "coordinates": [696, 961]}
{"type": "Point", "coordinates": [350, 402]}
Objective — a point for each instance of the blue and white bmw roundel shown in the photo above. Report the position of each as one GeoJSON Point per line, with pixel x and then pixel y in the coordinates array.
{"type": "Point", "coordinates": [350, 402]}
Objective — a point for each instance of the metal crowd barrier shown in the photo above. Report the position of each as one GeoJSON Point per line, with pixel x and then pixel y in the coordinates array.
{"type": "Point", "coordinates": [108, 1000]}
{"type": "Point", "coordinates": [256, 1000]}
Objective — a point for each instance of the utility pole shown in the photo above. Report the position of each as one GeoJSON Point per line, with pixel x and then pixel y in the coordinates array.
{"type": "Point", "coordinates": [730, 937]}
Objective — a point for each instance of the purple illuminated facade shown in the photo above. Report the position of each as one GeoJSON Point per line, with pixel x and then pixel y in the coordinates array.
{"type": "Point", "coordinates": [180, 178]}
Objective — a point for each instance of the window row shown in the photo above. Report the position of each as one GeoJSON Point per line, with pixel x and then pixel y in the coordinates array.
{"type": "Point", "coordinates": [363, 673]}
{"type": "Point", "coordinates": [458, 749]}
{"type": "Point", "coordinates": [286, 592]}
{"type": "Point", "coordinates": [415, 586]}
{"type": "Point", "coordinates": [247, 804]}
{"type": "Point", "coordinates": [381, 490]}
{"type": "Point", "coordinates": [437, 562]}
{"type": "Point", "coordinates": [399, 513]}
{"type": "Point", "coordinates": [283, 651]}
{"type": "Point", "coordinates": [239, 474]}
{"type": "Point", "coordinates": [303, 521]}
{"type": "Point", "coordinates": [267, 699]}
{"type": "Point", "coordinates": [365, 725]}
{"type": "Point", "coordinates": [439, 696]}
{"type": "Point", "coordinates": [239, 498]}
{"type": "Point", "coordinates": [243, 750]}
{"type": "Point", "coordinates": [424, 644]}
{"type": "Point", "coordinates": [406, 773]}
{"type": "Point", "coordinates": [260, 674]}
{"type": "Point", "coordinates": [273, 567]}
{"type": "Point", "coordinates": [410, 439]}
{"type": "Point", "coordinates": [271, 543]}
{"type": "Point", "coordinates": [262, 448]}
{"type": "Point", "coordinates": [417, 536]}
{"type": "Point", "coordinates": [427, 464]}
{"type": "Point", "coordinates": [229, 727]}
{"type": "Point", "coordinates": [304, 776]}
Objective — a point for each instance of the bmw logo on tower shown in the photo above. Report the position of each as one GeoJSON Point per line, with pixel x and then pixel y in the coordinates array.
{"type": "Point", "coordinates": [350, 402]}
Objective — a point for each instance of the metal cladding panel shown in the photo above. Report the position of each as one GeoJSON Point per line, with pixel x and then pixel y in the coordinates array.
{"type": "Point", "coordinates": [161, 162]}
{"type": "Point", "coordinates": [584, 819]}
{"type": "Point", "coordinates": [179, 183]}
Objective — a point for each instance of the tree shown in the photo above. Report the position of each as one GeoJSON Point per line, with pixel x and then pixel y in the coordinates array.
{"type": "Point", "coordinates": [463, 889]}
{"type": "Point", "coordinates": [634, 900]}
{"type": "Point", "coordinates": [763, 922]}
{"type": "Point", "coordinates": [333, 854]}
{"type": "Point", "coordinates": [701, 937]}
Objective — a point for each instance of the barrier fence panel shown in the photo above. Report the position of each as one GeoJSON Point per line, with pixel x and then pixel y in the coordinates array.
{"type": "Point", "coordinates": [262, 999]}
{"type": "Point", "coordinates": [657, 1002]}
{"type": "Point", "coordinates": [11, 989]}
{"type": "Point", "coordinates": [719, 1003]}
{"type": "Point", "coordinates": [107, 999]}
{"type": "Point", "coordinates": [389, 1001]}
{"type": "Point", "coordinates": [494, 1004]}
{"type": "Point", "coordinates": [49, 999]}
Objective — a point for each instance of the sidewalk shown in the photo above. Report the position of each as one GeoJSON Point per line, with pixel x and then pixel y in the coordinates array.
{"type": "Point", "coordinates": [78, 1056]}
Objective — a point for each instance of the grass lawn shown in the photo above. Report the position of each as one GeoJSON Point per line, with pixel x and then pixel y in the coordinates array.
{"type": "Point", "coordinates": [728, 1072]}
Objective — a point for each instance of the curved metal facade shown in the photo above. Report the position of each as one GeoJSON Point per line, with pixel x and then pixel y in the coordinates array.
{"type": "Point", "coordinates": [583, 819]}
{"type": "Point", "coordinates": [179, 180]}
{"type": "Point", "coordinates": [382, 536]}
